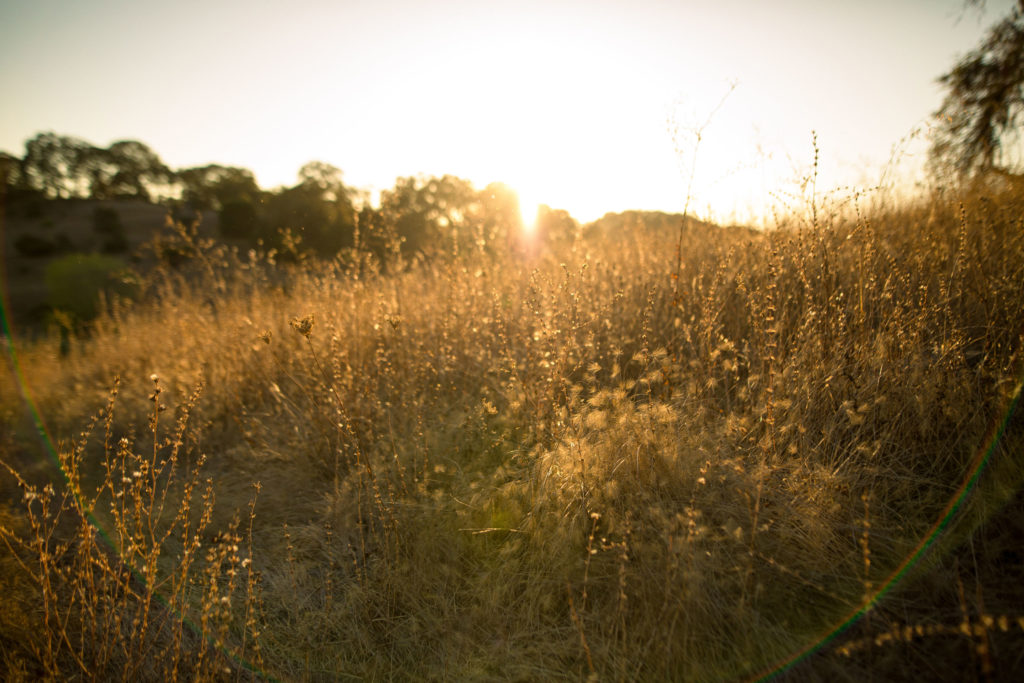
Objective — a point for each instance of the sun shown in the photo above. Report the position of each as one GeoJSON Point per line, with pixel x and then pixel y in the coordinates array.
{"type": "Point", "coordinates": [529, 209]}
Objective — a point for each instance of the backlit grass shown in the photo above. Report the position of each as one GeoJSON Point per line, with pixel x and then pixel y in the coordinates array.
{"type": "Point", "coordinates": [563, 463]}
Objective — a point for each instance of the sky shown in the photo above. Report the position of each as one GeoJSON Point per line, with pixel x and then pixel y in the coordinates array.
{"type": "Point", "coordinates": [585, 105]}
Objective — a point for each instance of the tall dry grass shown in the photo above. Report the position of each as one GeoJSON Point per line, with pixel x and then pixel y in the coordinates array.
{"type": "Point", "coordinates": [557, 466]}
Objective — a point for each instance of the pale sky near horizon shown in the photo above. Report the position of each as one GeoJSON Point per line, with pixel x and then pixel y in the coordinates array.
{"type": "Point", "coordinates": [570, 102]}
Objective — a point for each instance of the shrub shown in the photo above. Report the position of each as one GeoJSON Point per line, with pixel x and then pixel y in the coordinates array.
{"type": "Point", "coordinates": [88, 557]}
{"type": "Point", "coordinates": [77, 282]}
{"type": "Point", "coordinates": [238, 219]}
{"type": "Point", "coordinates": [107, 222]}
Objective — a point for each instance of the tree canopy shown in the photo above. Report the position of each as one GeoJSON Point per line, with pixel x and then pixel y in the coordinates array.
{"type": "Point", "coordinates": [983, 103]}
{"type": "Point", "coordinates": [421, 216]}
{"type": "Point", "coordinates": [66, 167]}
{"type": "Point", "coordinates": [318, 210]}
{"type": "Point", "coordinates": [213, 186]}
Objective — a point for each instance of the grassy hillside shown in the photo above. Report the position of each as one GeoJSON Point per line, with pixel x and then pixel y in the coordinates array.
{"type": "Point", "coordinates": [670, 454]}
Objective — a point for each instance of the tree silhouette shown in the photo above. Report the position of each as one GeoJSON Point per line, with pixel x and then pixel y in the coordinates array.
{"type": "Point", "coordinates": [214, 186]}
{"type": "Point", "coordinates": [239, 219]}
{"type": "Point", "coordinates": [318, 210]}
{"type": "Point", "coordinates": [138, 170]}
{"type": "Point", "coordinates": [66, 167]}
{"type": "Point", "coordinates": [429, 213]}
{"type": "Point", "coordinates": [53, 164]}
{"type": "Point", "coordinates": [984, 101]}
{"type": "Point", "coordinates": [9, 168]}
{"type": "Point", "coordinates": [319, 176]}
{"type": "Point", "coordinates": [498, 220]}
{"type": "Point", "coordinates": [556, 226]}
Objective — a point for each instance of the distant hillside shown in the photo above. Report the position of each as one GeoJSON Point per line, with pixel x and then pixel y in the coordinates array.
{"type": "Point", "coordinates": [37, 231]}
{"type": "Point", "coordinates": [651, 222]}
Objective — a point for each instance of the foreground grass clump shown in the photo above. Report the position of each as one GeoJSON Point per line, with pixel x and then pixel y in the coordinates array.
{"type": "Point", "coordinates": [119, 552]}
{"type": "Point", "coordinates": [597, 461]}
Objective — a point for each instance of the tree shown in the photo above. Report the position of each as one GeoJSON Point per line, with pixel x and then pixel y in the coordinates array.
{"type": "Point", "coordinates": [499, 219]}
{"type": "Point", "coordinates": [127, 168]}
{"type": "Point", "coordinates": [214, 186]}
{"type": "Point", "coordinates": [137, 170]}
{"type": "Point", "coordinates": [106, 222]}
{"type": "Point", "coordinates": [321, 177]}
{"type": "Point", "coordinates": [556, 226]}
{"type": "Point", "coordinates": [984, 101]}
{"type": "Point", "coordinates": [430, 213]}
{"type": "Point", "coordinates": [319, 210]}
{"type": "Point", "coordinates": [10, 170]}
{"type": "Point", "coordinates": [53, 164]}
{"type": "Point", "coordinates": [230, 190]}
{"type": "Point", "coordinates": [239, 219]}
{"type": "Point", "coordinates": [66, 167]}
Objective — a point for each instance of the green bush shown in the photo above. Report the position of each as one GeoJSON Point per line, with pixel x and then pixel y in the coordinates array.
{"type": "Point", "coordinates": [76, 282]}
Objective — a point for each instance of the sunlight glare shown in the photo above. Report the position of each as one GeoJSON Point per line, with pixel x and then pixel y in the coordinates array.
{"type": "Point", "coordinates": [528, 212]}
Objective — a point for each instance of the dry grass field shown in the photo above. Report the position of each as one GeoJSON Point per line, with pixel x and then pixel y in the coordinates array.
{"type": "Point", "coordinates": [688, 453]}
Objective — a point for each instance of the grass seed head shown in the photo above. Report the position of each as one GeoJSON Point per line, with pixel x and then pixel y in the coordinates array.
{"type": "Point", "coordinates": [303, 326]}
